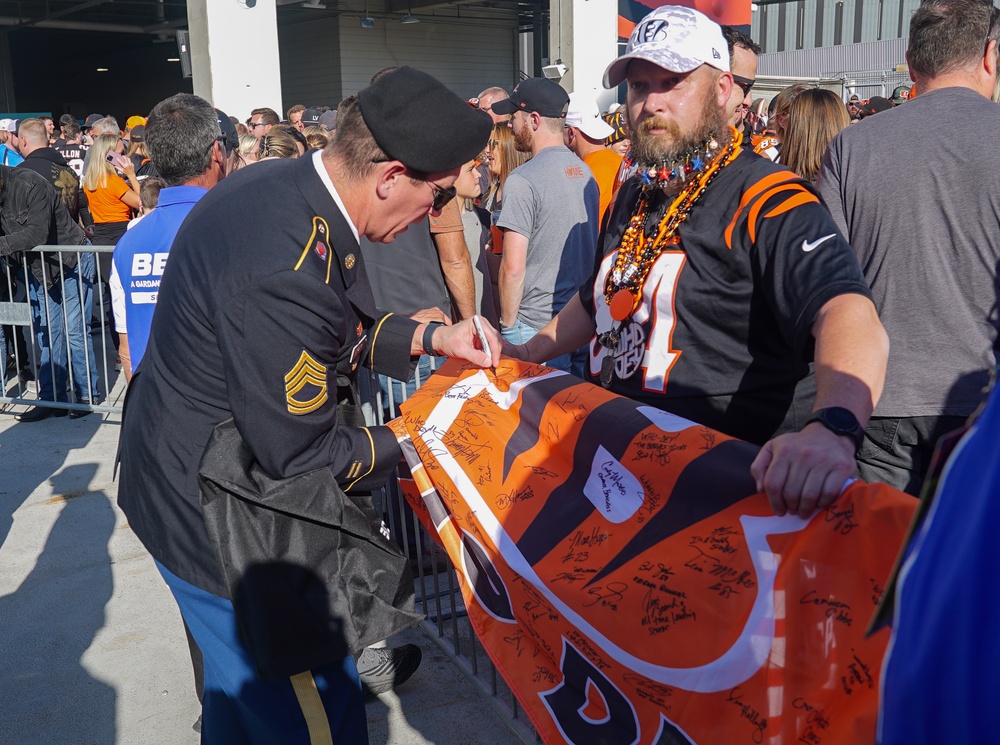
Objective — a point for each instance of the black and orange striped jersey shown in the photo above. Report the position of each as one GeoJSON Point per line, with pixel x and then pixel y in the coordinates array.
{"type": "Point", "coordinates": [722, 335]}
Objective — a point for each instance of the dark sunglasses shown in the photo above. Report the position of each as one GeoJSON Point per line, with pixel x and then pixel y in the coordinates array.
{"type": "Point", "coordinates": [745, 84]}
{"type": "Point", "coordinates": [220, 139]}
{"type": "Point", "coordinates": [441, 196]}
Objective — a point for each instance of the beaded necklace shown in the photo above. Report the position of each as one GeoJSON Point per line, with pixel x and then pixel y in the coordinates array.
{"type": "Point", "coordinates": [638, 251]}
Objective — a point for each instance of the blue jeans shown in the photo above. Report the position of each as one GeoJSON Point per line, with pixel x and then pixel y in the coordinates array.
{"type": "Point", "coordinates": [59, 319]}
{"type": "Point", "coordinates": [572, 363]}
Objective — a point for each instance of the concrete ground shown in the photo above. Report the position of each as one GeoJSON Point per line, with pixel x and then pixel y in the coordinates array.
{"type": "Point", "coordinates": [92, 650]}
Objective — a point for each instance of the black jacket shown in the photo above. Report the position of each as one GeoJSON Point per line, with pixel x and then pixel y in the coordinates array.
{"type": "Point", "coordinates": [263, 314]}
{"type": "Point", "coordinates": [49, 163]}
{"type": "Point", "coordinates": [32, 214]}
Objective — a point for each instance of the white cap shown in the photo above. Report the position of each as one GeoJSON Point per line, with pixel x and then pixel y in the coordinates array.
{"type": "Point", "coordinates": [4, 123]}
{"type": "Point", "coordinates": [677, 39]}
{"type": "Point", "coordinates": [585, 114]}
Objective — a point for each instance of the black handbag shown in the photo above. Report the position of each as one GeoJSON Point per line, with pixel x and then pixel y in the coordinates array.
{"type": "Point", "coordinates": [312, 576]}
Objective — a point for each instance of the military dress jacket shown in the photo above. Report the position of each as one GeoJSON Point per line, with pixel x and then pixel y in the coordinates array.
{"type": "Point", "coordinates": [263, 316]}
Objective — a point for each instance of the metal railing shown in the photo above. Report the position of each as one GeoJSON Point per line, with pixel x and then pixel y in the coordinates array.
{"type": "Point", "coordinates": [56, 320]}
{"type": "Point", "coordinates": [435, 580]}
{"type": "Point", "coordinates": [29, 306]}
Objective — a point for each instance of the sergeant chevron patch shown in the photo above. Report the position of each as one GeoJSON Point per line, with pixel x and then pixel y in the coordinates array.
{"type": "Point", "coordinates": [306, 373]}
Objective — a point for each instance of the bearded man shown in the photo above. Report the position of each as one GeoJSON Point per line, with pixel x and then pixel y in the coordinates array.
{"type": "Point", "coordinates": [724, 280]}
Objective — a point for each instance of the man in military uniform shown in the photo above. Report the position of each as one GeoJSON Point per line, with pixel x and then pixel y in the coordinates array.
{"type": "Point", "coordinates": [263, 316]}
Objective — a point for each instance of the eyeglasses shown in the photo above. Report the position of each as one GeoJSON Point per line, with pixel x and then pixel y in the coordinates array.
{"type": "Point", "coordinates": [220, 139]}
{"type": "Point", "coordinates": [745, 84]}
{"type": "Point", "coordinates": [994, 17]}
{"type": "Point", "coordinates": [441, 196]}
{"type": "Point", "coordinates": [256, 124]}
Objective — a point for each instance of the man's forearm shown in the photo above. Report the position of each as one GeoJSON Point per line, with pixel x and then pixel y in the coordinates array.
{"type": "Point", "coordinates": [126, 356]}
{"type": "Point", "coordinates": [852, 349]}
{"type": "Point", "coordinates": [456, 265]}
{"type": "Point", "coordinates": [571, 329]}
{"type": "Point", "coordinates": [511, 286]}
{"type": "Point", "coordinates": [513, 266]}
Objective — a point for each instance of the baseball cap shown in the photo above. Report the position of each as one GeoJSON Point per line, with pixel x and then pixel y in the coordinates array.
{"type": "Point", "coordinates": [855, 98]}
{"type": "Point", "coordinates": [228, 130]}
{"type": "Point", "coordinates": [328, 119]}
{"type": "Point", "coordinates": [13, 125]}
{"type": "Point", "coordinates": [4, 123]}
{"type": "Point", "coordinates": [310, 117]}
{"type": "Point", "coordinates": [875, 105]}
{"type": "Point", "coordinates": [135, 121]}
{"type": "Point", "coordinates": [900, 94]}
{"type": "Point", "coordinates": [91, 120]}
{"type": "Point", "coordinates": [677, 39]}
{"type": "Point", "coordinates": [138, 133]}
{"type": "Point", "coordinates": [585, 114]}
{"type": "Point", "coordinates": [541, 95]}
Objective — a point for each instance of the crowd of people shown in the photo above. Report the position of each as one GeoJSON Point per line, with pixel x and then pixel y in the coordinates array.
{"type": "Point", "coordinates": [786, 272]}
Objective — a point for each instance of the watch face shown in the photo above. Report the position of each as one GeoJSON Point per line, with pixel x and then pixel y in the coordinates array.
{"type": "Point", "coordinates": [842, 419]}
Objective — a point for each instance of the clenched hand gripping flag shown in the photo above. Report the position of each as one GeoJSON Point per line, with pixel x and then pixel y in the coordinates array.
{"type": "Point", "coordinates": [627, 581]}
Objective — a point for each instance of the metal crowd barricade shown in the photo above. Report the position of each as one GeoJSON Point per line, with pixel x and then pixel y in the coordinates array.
{"type": "Point", "coordinates": [30, 313]}
{"type": "Point", "coordinates": [436, 585]}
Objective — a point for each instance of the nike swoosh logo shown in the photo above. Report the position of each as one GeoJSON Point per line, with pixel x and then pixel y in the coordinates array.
{"type": "Point", "coordinates": [807, 246]}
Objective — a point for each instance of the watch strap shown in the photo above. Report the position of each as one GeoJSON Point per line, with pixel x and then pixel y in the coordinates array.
{"type": "Point", "coordinates": [428, 337]}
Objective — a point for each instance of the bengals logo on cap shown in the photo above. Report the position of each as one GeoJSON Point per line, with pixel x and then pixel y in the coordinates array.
{"type": "Point", "coordinates": [655, 30]}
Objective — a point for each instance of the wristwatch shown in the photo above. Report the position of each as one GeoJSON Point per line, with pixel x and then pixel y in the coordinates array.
{"type": "Point", "coordinates": [840, 421]}
{"type": "Point", "coordinates": [428, 337]}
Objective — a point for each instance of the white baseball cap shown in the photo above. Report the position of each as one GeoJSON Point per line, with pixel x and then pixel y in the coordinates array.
{"type": "Point", "coordinates": [677, 39]}
{"type": "Point", "coordinates": [585, 114]}
{"type": "Point", "coordinates": [4, 123]}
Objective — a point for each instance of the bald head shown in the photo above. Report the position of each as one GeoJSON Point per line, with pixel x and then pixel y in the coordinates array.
{"type": "Point", "coordinates": [489, 97]}
{"type": "Point", "coordinates": [33, 135]}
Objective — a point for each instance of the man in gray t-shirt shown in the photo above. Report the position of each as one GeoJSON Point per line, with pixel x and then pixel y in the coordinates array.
{"type": "Point", "coordinates": [920, 204]}
{"type": "Point", "coordinates": [550, 218]}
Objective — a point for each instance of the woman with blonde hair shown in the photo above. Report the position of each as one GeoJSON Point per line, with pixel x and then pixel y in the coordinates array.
{"type": "Point", "coordinates": [317, 137]}
{"type": "Point", "coordinates": [111, 197]}
{"type": "Point", "coordinates": [276, 144]}
{"type": "Point", "coordinates": [814, 119]}
{"type": "Point", "coordinates": [248, 148]}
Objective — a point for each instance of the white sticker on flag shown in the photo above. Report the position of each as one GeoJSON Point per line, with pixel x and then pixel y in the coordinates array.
{"type": "Point", "coordinates": [615, 492]}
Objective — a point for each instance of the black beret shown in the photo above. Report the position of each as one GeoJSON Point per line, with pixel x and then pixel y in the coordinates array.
{"type": "Point", "coordinates": [417, 121]}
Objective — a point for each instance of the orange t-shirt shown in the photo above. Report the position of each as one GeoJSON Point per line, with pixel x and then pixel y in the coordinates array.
{"type": "Point", "coordinates": [449, 221]}
{"type": "Point", "coordinates": [106, 203]}
{"type": "Point", "coordinates": [604, 164]}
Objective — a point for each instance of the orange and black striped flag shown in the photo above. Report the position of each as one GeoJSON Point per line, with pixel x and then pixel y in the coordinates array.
{"type": "Point", "coordinates": [627, 580]}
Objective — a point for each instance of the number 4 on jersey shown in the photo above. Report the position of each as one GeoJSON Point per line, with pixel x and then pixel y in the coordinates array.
{"type": "Point", "coordinates": [658, 295]}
